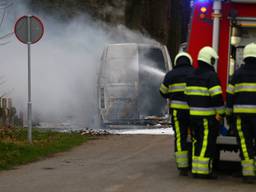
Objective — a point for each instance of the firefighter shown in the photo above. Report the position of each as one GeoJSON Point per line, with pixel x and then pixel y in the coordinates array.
{"type": "Point", "coordinates": [206, 108]}
{"type": "Point", "coordinates": [241, 102]}
{"type": "Point", "coordinates": [173, 88]}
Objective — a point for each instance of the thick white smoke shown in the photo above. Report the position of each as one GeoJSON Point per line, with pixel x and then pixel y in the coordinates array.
{"type": "Point", "coordinates": [64, 65]}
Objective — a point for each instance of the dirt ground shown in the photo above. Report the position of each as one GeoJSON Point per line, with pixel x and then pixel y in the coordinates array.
{"type": "Point", "coordinates": [115, 163]}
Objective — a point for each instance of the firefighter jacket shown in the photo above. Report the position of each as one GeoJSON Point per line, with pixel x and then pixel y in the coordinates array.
{"type": "Point", "coordinates": [241, 90]}
{"type": "Point", "coordinates": [204, 93]}
{"type": "Point", "coordinates": [174, 85]}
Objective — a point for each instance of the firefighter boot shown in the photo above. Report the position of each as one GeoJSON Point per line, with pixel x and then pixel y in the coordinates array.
{"type": "Point", "coordinates": [210, 176]}
{"type": "Point", "coordinates": [249, 180]}
{"type": "Point", "coordinates": [183, 171]}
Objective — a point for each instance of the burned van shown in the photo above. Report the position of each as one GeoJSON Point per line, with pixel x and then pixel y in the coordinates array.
{"type": "Point", "coordinates": [128, 84]}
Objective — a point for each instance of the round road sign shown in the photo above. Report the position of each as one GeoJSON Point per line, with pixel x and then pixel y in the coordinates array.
{"type": "Point", "coordinates": [29, 29]}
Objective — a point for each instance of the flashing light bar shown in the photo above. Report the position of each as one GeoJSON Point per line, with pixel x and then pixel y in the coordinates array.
{"type": "Point", "coordinates": [203, 9]}
{"type": "Point", "coordinates": [203, 1]}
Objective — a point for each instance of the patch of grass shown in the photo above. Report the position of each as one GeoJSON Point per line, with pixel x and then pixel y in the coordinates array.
{"type": "Point", "coordinates": [15, 149]}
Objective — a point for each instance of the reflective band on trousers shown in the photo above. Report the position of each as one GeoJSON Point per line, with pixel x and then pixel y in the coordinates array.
{"type": "Point", "coordinates": [242, 139]}
{"type": "Point", "coordinates": [163, 89]}
{"type": "Point", "coordinates": [245, 87]}
{"type": "Point", "coordinates": [202, 111]}
{"type": "Point", "coordinates": [244, 108]}
{"type": "Point", "coordinates": [175, 104]}
{"type": "Point", "coordinates": [230, 89]}
{"type": "Point", "coordinates": [205, 139]}
{"type": "Point", "coordinates": [182, 159]}
{"type": "Point", "coordinates": [177, 87]}
{"type": "Point", "coordinates": [200, 165]}
{"type": "Point", "coordinates": [195, 90]}
{"type": "Point", "coordinates": [216, 90]}
{"type": "Point", "coordinates": [177, 130]}
{"type": "Point", "coordinates": [247, 163]}
{"type": "Point", "coordinates": [248, 167]}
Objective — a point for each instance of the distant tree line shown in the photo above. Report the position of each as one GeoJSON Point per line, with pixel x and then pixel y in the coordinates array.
{"type": "Point", "coordinates": [165, 20]}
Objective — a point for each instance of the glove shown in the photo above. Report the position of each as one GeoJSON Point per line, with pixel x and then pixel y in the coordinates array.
{"type": "Point", "coordinates": [218, 117]}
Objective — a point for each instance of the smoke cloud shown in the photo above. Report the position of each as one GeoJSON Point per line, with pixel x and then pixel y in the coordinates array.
{"type": "Point", "coordinates": [64, 63]}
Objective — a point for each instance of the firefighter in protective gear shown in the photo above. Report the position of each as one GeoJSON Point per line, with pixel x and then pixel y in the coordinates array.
{"type": "Point", "coordinates": [241, 103]}
{"type": "Point", "coordinates": [206, 107]}
{"type": "Point", "coordinates": [173, 88]}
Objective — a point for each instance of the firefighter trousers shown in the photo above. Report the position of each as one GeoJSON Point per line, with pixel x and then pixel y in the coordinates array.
{"type": "Point", "coordinates": [180, 121]}
{"type": "Point", "coordinates": [205, 130]}
{"type": "Point", "coordinates": [246, 135]}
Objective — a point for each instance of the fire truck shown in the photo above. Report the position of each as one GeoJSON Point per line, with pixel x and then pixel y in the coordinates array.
{"type": "Point", "coordinates": [227, 26]}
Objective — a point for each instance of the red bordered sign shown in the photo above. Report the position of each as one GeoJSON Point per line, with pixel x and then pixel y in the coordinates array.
{"type": "Point", "coordinates": [29, 25]}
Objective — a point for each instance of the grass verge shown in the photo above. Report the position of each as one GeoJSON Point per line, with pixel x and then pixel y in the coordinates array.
{"type": "Point", "coordinates": [15, 150]}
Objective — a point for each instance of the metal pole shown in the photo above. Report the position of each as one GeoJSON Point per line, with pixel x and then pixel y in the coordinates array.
{"type": "Point", "coordinates": [29, 83]}
{"type": "Point", "coordinates": [216, 25]}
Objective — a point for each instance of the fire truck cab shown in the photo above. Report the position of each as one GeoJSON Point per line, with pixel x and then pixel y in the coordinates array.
{"type": "Point", "coordinates": [227, 26]}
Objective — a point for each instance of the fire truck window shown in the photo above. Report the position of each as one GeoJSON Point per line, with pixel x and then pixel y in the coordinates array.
{"type": "Point", "coordinates": [246, 35]}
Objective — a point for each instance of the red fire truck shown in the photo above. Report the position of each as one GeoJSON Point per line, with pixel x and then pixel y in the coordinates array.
{"type": "Point", "coordinates": [227, 26]}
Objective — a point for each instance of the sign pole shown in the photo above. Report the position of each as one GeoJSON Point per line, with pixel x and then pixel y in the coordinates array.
{"type": "Point", "coordinates": [29, 29]}
{"type": "Point", "coordinates": [29, 82]}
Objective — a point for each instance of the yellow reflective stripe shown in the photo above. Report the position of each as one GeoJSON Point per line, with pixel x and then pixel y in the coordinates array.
{"type": "Point", "coordinates": [248, 167]}
{"type": "Point", "coordinates": [242, 139]}
{"type": "Point", "coordinates": [193, 146]}
{"type": "Point", "coordinates": [182, 159]}
{"type": "Point", "coordinates": [201, 112]}
{"type": "Point", "coordinates": [178, 105]}
{"type": "Point", "coordinates": [216, 90]}
{"type": "Point", "coordinates": [203, 171]}
{"type": "Point", "coordinates": [177, 87]}
{"type": "Point", "coordinates": [230, 89]}
{"type": "Point", "coordinates": [195, 90]}
{"type": "Point", "coordinates": [177, 130]}
{"type": "Point", "coordinates": [220, 110]}
{"type": "Point", "coordinates": [205, 139]}
{"type": "Point", "coordinates": [163, 89]}
{"type": "Point", "coordinates": [194, 162]}
{"type": "Point", "coordinates": [200, 165]}
{"type": "Point", "coordinates": [245, 87]}
{"type": "Point", "coordinates": [181, 154]}
{"type": "Point", "coordinates": [229, 111]}
{"type": "Point", "coordinates": [245, 84]}
{"type": "Point", "coordinates": [245, 90]}
{"type": "Point", "coordinates": [244, 108]}
{"type": "Point", "coordinates": [178, 84]}
{"type": "Point", "coordinates": [194, 158]}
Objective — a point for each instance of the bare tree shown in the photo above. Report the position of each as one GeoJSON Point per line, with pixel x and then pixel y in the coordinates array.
{"type": "Point", "coordinates": [4, 5]}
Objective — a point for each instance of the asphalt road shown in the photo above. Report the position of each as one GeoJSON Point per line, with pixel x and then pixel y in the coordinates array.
{"type": "Point", "coordinates": [118, 163]}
